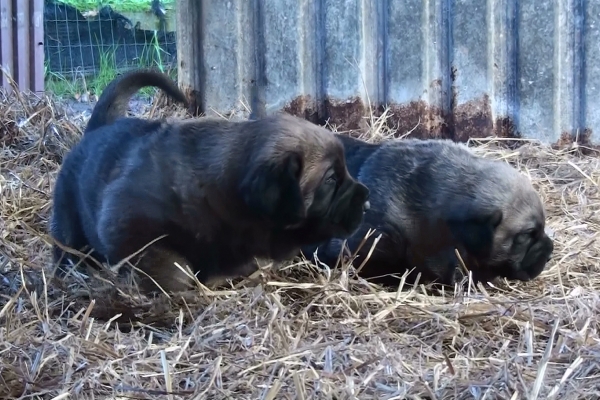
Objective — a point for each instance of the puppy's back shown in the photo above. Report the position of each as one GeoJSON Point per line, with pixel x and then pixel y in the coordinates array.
{"type": "Point", "coordinates": [356, 152]}
{"type": "Point", "coordinates": [422, 172]}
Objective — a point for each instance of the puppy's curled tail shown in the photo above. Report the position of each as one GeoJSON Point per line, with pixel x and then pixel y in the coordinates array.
{"type": "Point", "coordinates": [114, 100]}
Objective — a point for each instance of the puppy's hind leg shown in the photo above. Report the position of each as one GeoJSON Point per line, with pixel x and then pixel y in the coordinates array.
{"type": "Point", "coordinates": [66, 228]}
{"type": "Point", "coordinates": [214, 278]}
{"type": "Point", "coordinates": [158, 266]}
{"type": "Point", "coordinates": [132, 226]}
{"type": "Point", "coordinates": [439, 268]}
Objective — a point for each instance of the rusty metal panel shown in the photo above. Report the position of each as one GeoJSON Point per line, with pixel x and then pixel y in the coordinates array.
{"type": "Point", "coordinates": [22, 43]}
{"type": "Point", "coordinates": [446, 68]}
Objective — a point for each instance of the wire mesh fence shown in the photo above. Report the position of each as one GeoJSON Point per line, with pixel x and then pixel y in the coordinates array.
{"type": "Point", "coordinates": [93, 40]}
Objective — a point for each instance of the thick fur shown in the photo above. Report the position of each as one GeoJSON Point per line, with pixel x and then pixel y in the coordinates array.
{"type": "Point", "coordinates": [429, 197]}
{"type": "Point", "coordinates": [223, 192]}
{"type": "Point", "coordinates": [69, 209]}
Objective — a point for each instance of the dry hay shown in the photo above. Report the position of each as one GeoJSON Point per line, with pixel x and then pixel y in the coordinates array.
{"type": "Point", "coordinates": [297, 332]}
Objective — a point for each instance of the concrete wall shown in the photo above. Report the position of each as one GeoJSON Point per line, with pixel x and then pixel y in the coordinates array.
{"type": "Point", "coordinates": [452, 68]}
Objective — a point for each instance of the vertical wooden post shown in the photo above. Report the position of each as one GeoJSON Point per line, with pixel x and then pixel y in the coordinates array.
{"type": "Point", "coordinates": [37, 38]}
{"type": "Point", "coordinates": [23, 61]}
{"type": "Point", "coordinates": [6, 43]}
{"type": "Point", "coordinates": [190, 57]}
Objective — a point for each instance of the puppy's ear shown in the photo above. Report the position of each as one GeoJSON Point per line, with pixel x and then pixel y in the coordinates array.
{"type": "Point", "coordinates": [476, 230]}
{"type": "Point", "coordinates": [272, 190]}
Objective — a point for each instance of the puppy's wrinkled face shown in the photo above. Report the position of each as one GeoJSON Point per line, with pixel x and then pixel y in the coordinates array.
{"type": "Point", "coordinates": [298, 178]}
{"type": "Point", "coordinates": [519, 247]}
{"type": "Point", "coordinates": [331, 194]}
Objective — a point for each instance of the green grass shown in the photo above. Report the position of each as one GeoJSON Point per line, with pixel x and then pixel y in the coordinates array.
{"type": "Point", "coordinates": [73, 87]}
{"type": "Point", "coordinates": [78, 84]}
{"type": "Point", "coordinates": [117, 5]}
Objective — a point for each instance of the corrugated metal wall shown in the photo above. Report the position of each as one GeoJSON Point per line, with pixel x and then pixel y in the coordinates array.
{"type": "Point", "coordinates": [462, 68]}
{"type": "Point", "coordinates": [22, 43]}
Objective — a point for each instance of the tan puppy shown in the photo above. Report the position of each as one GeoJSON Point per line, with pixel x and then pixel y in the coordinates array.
{"type": "Point", "coordinates": [223, 192]}
{"type": "Point", "coordinates": [429, 197]}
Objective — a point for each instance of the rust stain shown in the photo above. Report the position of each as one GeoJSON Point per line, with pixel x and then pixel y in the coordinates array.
{"type": "Point", "coordinates": [585, 139]}
{"type": "Point", "coordinates": [582, 142]}
{"type": "Point", "coordinates": [304, 107]}
{"type": "Point", "coordinates": [417, 119]}
{"type": "Point", "coordinates": [195, 103]}
{"type": "Point", "coordinates": [505, 127]}
{"type": "Point", "coordinates": [473, 119]}
{"type": "Point", "coordinates": [345, 115]}
{"type": "Point", "coordinates": [565, 140]}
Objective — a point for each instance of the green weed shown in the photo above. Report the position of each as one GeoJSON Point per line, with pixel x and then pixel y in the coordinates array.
{"type": "Point", "coordinates": [80, 84]}
{"type": "Point", "coordinates": [117, 5]}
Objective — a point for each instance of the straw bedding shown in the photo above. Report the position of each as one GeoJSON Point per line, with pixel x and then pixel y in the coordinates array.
{"type": "Point", "coordinates": [293, 332]}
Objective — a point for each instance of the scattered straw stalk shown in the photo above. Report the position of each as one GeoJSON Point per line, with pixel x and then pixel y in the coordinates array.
{"type": "Point", "coordinates": [293, 332]}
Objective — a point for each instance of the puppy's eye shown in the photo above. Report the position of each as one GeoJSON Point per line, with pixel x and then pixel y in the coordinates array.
{"type": "Point", "coordinates": [520, 239]}
{"type": "Point", "coordinates": [530, 233]}
{"type": "Point", "coordinates": [331, 180]}
{"type": "Point", "coordinates": [525, 236]}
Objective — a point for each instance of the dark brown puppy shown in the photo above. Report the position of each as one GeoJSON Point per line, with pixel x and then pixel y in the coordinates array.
{"type": "Point", "coordinates": [429, 197]}
{"type": "Point", "coordinates": [69, 220]}
{"type": "Point", "coordinates": [223, 192]}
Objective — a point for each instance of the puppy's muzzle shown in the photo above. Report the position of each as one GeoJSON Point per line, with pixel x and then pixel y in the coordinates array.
{"type": "Point", "coordinates": [349, 208]}
{"type": "Point", "coordinates": [536, 258]}
{"type": "Point", "coordinates": [549, 236]}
